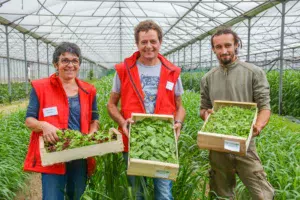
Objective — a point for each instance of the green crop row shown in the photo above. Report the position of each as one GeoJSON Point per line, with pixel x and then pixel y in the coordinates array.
{"type": "Point", "coordinates": [290, 93]}
{"type": "Point", "coordinates": [13, 147]}
{"type": "Point", "coordinates": [277, 145]}
{"type": "Point", "coordinates": [18, 92]}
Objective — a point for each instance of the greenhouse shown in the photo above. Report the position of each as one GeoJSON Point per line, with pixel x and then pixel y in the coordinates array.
{"type": "Point", "coordinates": [31, 30]}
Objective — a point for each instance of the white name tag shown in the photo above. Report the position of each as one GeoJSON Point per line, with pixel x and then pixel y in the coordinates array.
{"type": "Point", "coordinates": [232, 146]}
{"type": "Point", "coordinates": [162, 174]}
{"type": "Point", "coordinates": [50, 111]}
{"type": "Point", "coordinates": [169, 85]}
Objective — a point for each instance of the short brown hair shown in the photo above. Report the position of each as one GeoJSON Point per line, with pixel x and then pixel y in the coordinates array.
{"type": "Point", "coordinates": [226, 30]}
{"type": "Point", "coordinates": [146, 26]}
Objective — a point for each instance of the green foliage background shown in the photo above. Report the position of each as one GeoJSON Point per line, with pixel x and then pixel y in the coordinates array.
{"type": "Point", "coordinates": [278, 147]}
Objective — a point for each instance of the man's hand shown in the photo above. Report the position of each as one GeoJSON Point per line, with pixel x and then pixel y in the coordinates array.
{"type": "Point", "coordinates": [204, 113]}
{"type": "Point", "coordinates": [125, 126]}
{"type": "Point", "coordinates": [261, 121]}
{"type": "Point", "coordinates": [49, 132]}
{"type": "Point", "coordinates": [177, 127]}
{"type": "Point", "coordinates": [256, 130]}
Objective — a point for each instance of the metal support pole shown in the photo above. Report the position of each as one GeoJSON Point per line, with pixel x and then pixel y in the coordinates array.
{"type": "Point", "coordinates": [173, 57]}
{"type": "Point", "coordinates": [48, 67]}
{"type": "Point", "coordinates": [249, 33]}
{"type": "Point", "coordinates": [26, 69]}
{"type": "Point", "coordinates": [266, 60]}
{"type": "Point", "coordinates": [281, 56]}
{"type": "Point", "coordinates": [191, 56]}
{"type": "Point", "coordinates": [1, 70]}
{"type": "Point", "coordinates": [191, 80]}
{"type": "Point", "coordinates": [184, 57]}
{"type": "Point", "coordinates": [199, 53]}
{"type": "Point", "coordinates": [211, 56]}
{"type": "Point", "coordinates": [121, 39]}
{"type": "Point", "coordinates": [8, 64]}
{"type": "Point", "coordinates": [38, 57]}
{"type": "Point", "coordinates": [178, 54]}
{"type": "Point", "coordinates": [293, 58]}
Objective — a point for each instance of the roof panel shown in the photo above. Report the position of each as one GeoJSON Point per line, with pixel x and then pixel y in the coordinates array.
{"type": "Point", "coordinates": [98, 26]}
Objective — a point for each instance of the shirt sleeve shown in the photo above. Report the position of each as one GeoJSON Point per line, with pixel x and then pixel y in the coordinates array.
{"type": "Point", "coordinates": [205, 102]}
{"type": "Point", "coordinates": [33, 106]}
{"type": "Point", "coordinates": [95, 113]}
{"type": "Point", "coordinates": [178, 87]}
{"type": "Point", "coordinates": [261, 91]}
{"type": "Point", "coordinates": [116, 84]}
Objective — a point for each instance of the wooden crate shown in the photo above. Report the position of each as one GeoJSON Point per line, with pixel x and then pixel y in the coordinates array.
{"type": "Point", "coordinates": [226, 143]}
{"type": "Point", "coordinates": [149, 168]}
{"type": "Point", "coordinates": [81, 152]}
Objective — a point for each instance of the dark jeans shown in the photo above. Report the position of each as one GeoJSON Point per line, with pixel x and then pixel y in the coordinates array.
{"type": "Point", "coordinates": [72, 184]}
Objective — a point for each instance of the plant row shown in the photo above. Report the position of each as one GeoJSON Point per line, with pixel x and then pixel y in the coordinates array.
{"type": "Point", "coordinates": [18, 91]}
{"type": "Point", "coordinates": [277, 146]}
{"type": "Point", "coordinates": [290, 89]}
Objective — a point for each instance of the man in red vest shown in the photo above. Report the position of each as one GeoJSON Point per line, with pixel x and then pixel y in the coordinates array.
{"type": "Point", "coordinates": [147, 82]}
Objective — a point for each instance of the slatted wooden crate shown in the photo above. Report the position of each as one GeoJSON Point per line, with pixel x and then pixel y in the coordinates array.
{"type": "Point", "coordinates": [149, 168]}
{"type": "Point", "coordinates": [81, 152]}
{"type": "Point", "coordinates": [226, 143]}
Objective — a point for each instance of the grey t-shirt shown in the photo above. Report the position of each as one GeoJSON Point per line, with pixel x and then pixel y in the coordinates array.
{"type": "Point", "coordinates": [149, 76]}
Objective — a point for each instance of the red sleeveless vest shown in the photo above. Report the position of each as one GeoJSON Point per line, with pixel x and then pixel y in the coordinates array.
{"type": "Point", "coordinates": [50, 93]}
{"type": "Point", "coordinates": [132, 96]}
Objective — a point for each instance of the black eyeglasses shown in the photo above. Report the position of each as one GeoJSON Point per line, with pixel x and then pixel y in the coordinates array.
{"type": "Point", "coordinates": [66, 61]}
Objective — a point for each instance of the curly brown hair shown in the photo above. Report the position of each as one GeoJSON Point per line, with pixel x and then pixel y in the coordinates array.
{"type": "Point", "coordinates": [146, 26]}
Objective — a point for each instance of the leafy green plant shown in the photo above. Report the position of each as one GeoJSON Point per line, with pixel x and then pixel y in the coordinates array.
{"type": "Point", "coordinates": [278, 147]}
{"type": "Point", "coordinates": [18, 92]}
{"type": "Point", "coordinates": [91, 74]}
{"type": "Point", "coordinates": [290, 93]}
{"type": "Point", "coordinates": [153, 139]}
{"type": "Point", "coordinates": [70, 139]}
{"type": "Point", "coordinates": [13, 147]}
{"type": "Point", "coordinates": [231, 120]}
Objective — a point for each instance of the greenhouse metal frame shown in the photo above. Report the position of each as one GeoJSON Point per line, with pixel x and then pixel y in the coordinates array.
{"type": "Point", "coordinates": [104, 30]}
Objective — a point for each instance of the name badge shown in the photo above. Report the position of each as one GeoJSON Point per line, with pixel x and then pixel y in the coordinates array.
{"type": "Point", "coordinates": [169, 85]}
{"type": "Point", "coordinates": [232, 145]}
{"type": "Point", "coordinates": [50, 111]}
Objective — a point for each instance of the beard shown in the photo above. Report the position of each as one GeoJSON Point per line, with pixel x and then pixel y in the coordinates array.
{"type": "Point", "coordinates": [225, 60]}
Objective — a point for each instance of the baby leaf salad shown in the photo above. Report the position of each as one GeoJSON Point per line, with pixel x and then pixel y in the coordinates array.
{"type": "Point", "coordinates": [231, 120]}
{"type": "Point", "coordinates": [69, 139]}
{"type": "Point", "coordinates": [153, 139]}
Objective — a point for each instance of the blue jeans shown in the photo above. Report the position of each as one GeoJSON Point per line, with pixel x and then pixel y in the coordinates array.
{"type": "Point", "coordinates": [162, 187]}
{"type": "Point", "coordinates": [72, 184]}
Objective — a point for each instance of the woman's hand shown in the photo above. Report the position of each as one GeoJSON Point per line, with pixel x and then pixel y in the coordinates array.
{"type": "Point", "coordinates": [49, 132]}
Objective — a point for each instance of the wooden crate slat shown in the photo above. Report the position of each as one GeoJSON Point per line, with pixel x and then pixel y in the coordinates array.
{"type": "Point", "coordinates": [81, 152]}
{"type": "Point", "coordinates": [222, 142]}
{"type": "Point", "coordinates": [139, 167]}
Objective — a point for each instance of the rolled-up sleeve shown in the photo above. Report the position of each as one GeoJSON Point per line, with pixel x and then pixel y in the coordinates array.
{"type": "Point", "coordinates": [205, 102]}
{"type": "Point", "coordinates": [261, 91]}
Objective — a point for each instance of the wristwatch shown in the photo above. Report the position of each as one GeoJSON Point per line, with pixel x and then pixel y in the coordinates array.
{"type": "Point", "coordinates": [178, 121]}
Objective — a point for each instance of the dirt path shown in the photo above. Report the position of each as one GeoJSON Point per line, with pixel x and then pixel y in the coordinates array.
{"type": "Point", "coordinates": [9, 108]}
{"type": "Point", "coordinates": [33, 189]}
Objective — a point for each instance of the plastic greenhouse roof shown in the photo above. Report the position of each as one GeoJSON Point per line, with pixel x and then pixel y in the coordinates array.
{"type": "Point", "coordinates": [104, 29]}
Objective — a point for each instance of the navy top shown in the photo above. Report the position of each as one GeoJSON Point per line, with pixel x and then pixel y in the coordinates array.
{"type": "Point", "coordinates": [74, 107]}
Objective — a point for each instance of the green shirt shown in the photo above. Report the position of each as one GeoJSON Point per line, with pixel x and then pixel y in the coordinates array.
{"type": "Point", "coordinates": [239, 81]}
